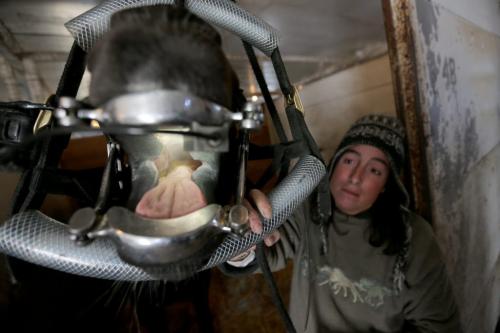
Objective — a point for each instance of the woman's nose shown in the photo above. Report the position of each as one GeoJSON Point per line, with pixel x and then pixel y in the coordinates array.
{"type": "Point", "coordinates": [355, 176]}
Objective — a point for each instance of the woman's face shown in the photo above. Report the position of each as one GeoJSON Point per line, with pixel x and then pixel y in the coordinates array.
{"type": "Point", "coordinates": [358, 178]}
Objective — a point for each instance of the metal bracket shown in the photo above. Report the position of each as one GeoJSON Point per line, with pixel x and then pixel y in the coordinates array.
{"type": "Point", "coordinates": [295, 100]}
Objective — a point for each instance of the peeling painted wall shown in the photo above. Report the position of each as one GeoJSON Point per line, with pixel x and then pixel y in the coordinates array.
{"type": "Point", "coordinates": [458, 52]}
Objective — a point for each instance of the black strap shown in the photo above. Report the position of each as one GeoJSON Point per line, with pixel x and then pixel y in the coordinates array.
{"type": "Point", "coordinates": [83, 185]}
{"type": "Point", "coordinates": [320, 198]}
{"type": "Point", "coordinates": [290, 148]}
{"type": "Point", "coordinates": [15, 127]}
{"type": "Point", "coordinates": [265, 92]}
{"type": "Point", "coordinates": [268, 275]}
{"type": "Point", "coordinates": [73, 72]}
{"type": "Point", "coordinates": [29, 194]}
{"type": "Point", "coordinates": [321, 206]}
{"type": "Point", "coordinates": [261, 262]}
{"type": "Point", "coordinates": [281, 74]}
{"type": "Point", "coordinates": [273, 112]}
{"type": "Point", "coordinates": [281, 155]}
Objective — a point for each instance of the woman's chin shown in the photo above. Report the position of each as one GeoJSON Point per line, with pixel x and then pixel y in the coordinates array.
{"type": "Point", "coordinates": [347, 207]}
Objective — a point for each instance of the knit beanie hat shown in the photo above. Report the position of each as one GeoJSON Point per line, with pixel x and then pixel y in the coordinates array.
{"type": "Point", "coordinates": [381, 131]}
{"type": "Point", "coordinates": [387, 134]}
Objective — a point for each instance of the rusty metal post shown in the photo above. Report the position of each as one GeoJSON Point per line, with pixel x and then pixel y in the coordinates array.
{"type": "Point", "coordinates": [405, 81]}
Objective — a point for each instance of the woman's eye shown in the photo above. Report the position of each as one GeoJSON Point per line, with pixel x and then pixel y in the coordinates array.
{"type": "Point", "coordinates": [376, 172]}
{"type": "Point", "coordinates": [347, 161]}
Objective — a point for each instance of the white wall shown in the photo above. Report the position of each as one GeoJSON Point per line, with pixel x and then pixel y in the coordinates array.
{"type": "Point", "coordinates": [333, 103]}
{"type": "Point", "coordinates": [458, 52]}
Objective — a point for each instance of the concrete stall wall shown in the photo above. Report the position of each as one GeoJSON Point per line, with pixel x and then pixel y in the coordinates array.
{"type": "Point", "coordinates": [457, 53]}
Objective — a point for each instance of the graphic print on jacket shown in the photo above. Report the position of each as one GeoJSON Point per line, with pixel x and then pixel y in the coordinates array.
{"type": "Point", "coordinates": [363, 291]}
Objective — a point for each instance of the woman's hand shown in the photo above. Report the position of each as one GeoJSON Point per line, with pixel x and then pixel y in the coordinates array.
{"type": "Point", "coordinates": [260, 201]}
{"type": "Point", "coordinates": [256, 200]}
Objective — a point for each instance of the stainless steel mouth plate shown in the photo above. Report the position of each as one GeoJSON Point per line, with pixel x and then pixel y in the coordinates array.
{"type": "Point", "coordinates": [155, 242]}
{"type": "Point", "coordinates": [36, 238]}
{"type": "Point", "coordinates": [146, 242]}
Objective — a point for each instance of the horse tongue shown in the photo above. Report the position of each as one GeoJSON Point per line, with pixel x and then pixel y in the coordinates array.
{"type": "Point", "coordinates": [175, 195]}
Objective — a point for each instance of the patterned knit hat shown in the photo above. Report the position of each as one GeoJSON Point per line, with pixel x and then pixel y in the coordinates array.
{"type": "Point", "coordinates": [387, 134]}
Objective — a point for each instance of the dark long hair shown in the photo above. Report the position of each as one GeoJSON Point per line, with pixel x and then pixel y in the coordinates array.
{"type": "Point", "coordinates": [387, 226]}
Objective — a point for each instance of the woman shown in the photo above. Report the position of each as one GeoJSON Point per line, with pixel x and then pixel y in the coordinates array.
{"type": "Point", "coordinates": [376, 267]}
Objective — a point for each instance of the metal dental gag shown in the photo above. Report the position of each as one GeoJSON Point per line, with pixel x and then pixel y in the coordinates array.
{"type": "Point", "coordinates": [154, 137]}
{"type": "Point", "coordinates": [186, 126]}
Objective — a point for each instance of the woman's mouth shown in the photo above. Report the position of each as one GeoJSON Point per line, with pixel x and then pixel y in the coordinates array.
{"type": "Point", "coordinates": [350, 192]}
